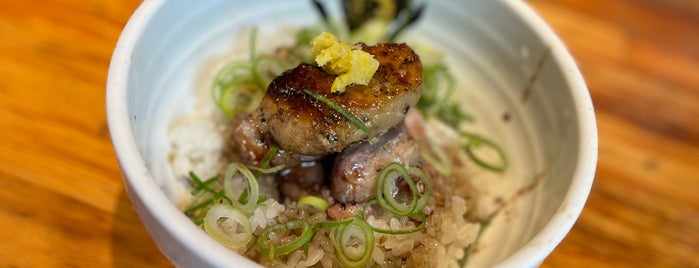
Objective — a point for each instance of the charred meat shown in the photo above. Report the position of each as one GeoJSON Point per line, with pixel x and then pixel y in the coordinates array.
{"type": "Point", "coordinates": [303, 125]}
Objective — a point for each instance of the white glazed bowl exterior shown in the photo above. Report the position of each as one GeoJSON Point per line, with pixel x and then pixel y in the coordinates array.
{"type": "Point", "coordinates": [165, 42]}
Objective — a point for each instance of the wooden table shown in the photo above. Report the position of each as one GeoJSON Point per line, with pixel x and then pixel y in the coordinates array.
{"type": "Point", "coordinates": [62, 202]}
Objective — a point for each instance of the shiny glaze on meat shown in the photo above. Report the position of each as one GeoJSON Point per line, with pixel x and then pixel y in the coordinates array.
{"type": "Point", "coordinates": [356, 168]}
{"type": "Point", "coordinates": [303, 179]}
{"type": "Point", "coordinates": [301, 124]}
{"type": "Point", "coordinates": [303, 175]}
{"type": "Point", "coordinates": [252, 145]}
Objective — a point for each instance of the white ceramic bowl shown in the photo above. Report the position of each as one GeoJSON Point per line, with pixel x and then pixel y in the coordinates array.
{"type": "Point", "coordinates": [493, 46]}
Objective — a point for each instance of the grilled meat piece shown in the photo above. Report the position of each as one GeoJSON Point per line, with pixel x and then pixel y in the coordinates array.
{"type": "Point", "coordinates": [301, 124]}
{"type": "Point", "coordinates": [252, 145]}
{"type": "Point", "coordinates": [356, 168]}
{"type": "Point", "coordinates": [304, 179]}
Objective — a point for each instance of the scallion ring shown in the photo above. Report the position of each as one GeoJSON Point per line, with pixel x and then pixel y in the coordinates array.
{"type": "Point", "coordinates": [332, 224]}
{"type": "Point", "coordinates": [243, 98]}
{"type": "Point", "coordinates": [253, 188]}
{"type": "Point", "coordinates": [403, 231]}
{"type": "Point", "coordinates": [475, 141]}
{"type": "Point", "coordinates": [228, 226]}
{"type": "Point", "coordinates": [353, 243]}
{"type": "Point", "coordinates": [312, 204]}
{"type": "Point", "coordinates": [231, 87]}
{"type": "Point", "coordinates": [267, 67]}
{"type": "Point", "coordinates": [387, 189]}
{"type": "Point", "coordinates": [269, 248]}
{"type": "Point", "coordinates": [271, 170]}
{"type": "Point", "coordinates": [427, 190]}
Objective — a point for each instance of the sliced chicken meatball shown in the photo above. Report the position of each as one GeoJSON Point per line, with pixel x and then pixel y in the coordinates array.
{"type": "Point", "coordinates": [304, 125]}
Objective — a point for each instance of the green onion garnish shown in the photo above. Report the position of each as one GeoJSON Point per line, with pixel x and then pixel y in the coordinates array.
{"type": "Point", "coordinates": [354, 120]}
{"type": "Point", "coordinates": [252, 42]}
{"type": "Point", "coordinates": [331, 224]}
{"type": "Point", "coordinates": [264, 164]}
{"type": "Point", "coordinates": [253, 188]}
{"type": "Point", "coordinates": [353, 243]}
{"type": "Point", "coordinates": [267, 170]}
{"type": "Point", "coordinates": [240, 85]}
{"type": "Point", "coordinates": [200, 185]}
{"type": "Point", "coordinates": [268, 246]}
{"type": "Point", "coordinates": [268, 157]}
{"type": "Point", "coordinates": [234, 89]}
{"type": "Point", "coordinates": [205, 196]}
{"type": "Point", "coordinates": [474, 142]}
{"type": "Point", "coordinates": [387, 188]}
{"type": "Point", "coordinates": [228, 226]}
{"type": "Point", "coordinates": [312, 204]}
{"type": "Point", "coordinates": [389, 231]}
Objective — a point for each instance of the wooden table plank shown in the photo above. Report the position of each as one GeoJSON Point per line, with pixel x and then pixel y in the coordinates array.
{"type": "Point", "coordinates": [62, 202]}
{"type": "Point", "coordinates": [640, 59]}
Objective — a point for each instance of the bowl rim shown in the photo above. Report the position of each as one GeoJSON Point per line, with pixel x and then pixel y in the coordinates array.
{"type": "Point", "coordinates": [150, 202]}
{"type": "Point", "coordinates": [148, 199]}
{"type": "Point", "coordinates": [542, 244]}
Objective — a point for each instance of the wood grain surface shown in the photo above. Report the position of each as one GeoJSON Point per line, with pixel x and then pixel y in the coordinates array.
{"type": "Point", "coordinates": [62, 202]}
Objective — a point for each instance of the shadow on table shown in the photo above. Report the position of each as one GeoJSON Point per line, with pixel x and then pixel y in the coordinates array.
{"type": "Point", "coordinates": [132, 246]}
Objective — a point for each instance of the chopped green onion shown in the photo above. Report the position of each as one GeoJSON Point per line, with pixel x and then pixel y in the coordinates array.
{"type": "Point", "coordinates": [403, 231]}
{"type": "Point", "coordinates": [364, 210]}
{"type": "Point", "coordinates": [452, 115]}
{"type": "Point", "coordinates": [200, 185]}
{"type": "Point", "coordinates": [228, 226]}
{"type": "Point", "coordinates": [474, 142]}
{"type": "Point", "coordinates": [372, 202]}
{"type": "Point", "coordinates": [387, 189]}
{"type": "Point", "coordinates": [231, 74]}
{"type": "Point", "coordinates": [332, 224]}
{"type": "Point", "coordinates": [266, 241]}
{"type": "Point", "coordinates": [264, 164]}
{"type": "Point", "coordinates": [204, 197]}
{"type": "Point", "coordinates": [265, 68]}
{"type": "Point", "coordinates": [243, 98]}
{"type": "Point", "coordinates": [353, 243]}
{"type": "Point", "coordinates": [253, 188]}
{"type": "Point", "coordinates": [240, 85]}
{"type": "Point", "coordinates": [234, 90]}
{"type": "Point", "coordinates": [193, 208]}
{"type": "Point", "coordinates": [312, 204]}
{"type": "Point", "coordinates": [268, 157]}
{"type": "Point", "coordinates": [427, 191]}
{"type": "Point", "coordinates": [253, 43]}
{"type": "Point", "coordinates": [339, 109]}
{"type": "Point", "coordinates": [267, 170]}
{"type": "Point", "coordinates": [436, 100]}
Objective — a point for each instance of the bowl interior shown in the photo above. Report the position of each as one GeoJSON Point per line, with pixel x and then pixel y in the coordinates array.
{"type": "Point", "coordinates": [514, 76]}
